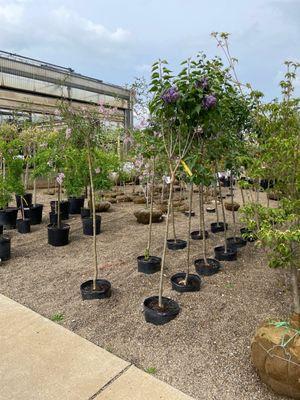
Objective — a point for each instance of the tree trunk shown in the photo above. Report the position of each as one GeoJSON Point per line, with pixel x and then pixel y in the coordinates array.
{"type": "Point", "coordinates": [151, 210]}
{"type": "Point", "coordinates": [94, 221]}
{"type": "Point", "coordinates": [216, 203]}
{"type": "Point", "coordinates": [223, 210]}
{"type": "Point", "coordinates": [58, 206]}
{"type": "Point", "coordinates": [232, 210]}
{"type": "Point", "coordinates": [204, 250]}
{"type": "Point", "coordinates": [296, 296]}
{"type": "Point", "coordinates": [165, 245]}
{"type": "Point", "coordinates": [189, 234]}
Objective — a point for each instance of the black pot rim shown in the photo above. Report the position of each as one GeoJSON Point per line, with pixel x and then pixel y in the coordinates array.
{"type": "Point", "coordinates": [162, 313]}
{"type": "Point", "coordinates": [153, 258]}
{"type": "Point", "coordinates": [189, 287]}
{"type": "Point", "coordinates": [230, 250]}
{"type": "Point", "coordinates": [176, 241]}
{"type": "Point", "coordinates": [63, 227]}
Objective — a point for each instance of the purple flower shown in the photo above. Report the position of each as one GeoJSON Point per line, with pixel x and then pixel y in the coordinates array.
{"type": "Point", "coordinates": [97, 170]}
{"type": "Point", "coordinates": [60, 178]}
{"type": "Point", "coordinates": [209, 101]}
{"type": "Point", "coordinates": [170, 95]}
{"type": "Point", "coordinates": [202, 83]}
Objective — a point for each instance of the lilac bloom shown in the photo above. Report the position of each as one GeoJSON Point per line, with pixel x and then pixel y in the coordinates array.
{"type": "Point", "coordinates": [202, 83]}
{"type": "Point", "coordinates": [97, 170]}
{"type": "Point", "coordinates": [60, 178]}
{"type": "Point", "coordinates": [170, 95]}
{"type": "Point", "coordinates": [209, 101]}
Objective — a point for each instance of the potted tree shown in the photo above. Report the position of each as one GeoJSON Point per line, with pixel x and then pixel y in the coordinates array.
{"type": "Point", "coordinates": [87, 130]}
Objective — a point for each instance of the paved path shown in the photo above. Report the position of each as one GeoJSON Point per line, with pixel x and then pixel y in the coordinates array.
{"type": "Point", "coordinates": [41, 360]}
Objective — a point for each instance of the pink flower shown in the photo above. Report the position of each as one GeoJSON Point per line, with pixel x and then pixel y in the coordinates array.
{"type": "Point", "coordinates": [60, 178]}
{"type": "Point", "coordinates": [128, 140]}
{"type": "Point", "coordinates": [97, 170]}
{"type": "Point", "coordinates": [56, 112]}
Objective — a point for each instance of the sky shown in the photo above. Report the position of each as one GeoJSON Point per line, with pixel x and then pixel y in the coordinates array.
{"type": "Point", "coordinates": [116, 40]}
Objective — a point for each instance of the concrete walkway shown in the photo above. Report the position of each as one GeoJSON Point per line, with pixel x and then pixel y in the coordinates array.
{"type": "Point", "coordinates": [41, 360]}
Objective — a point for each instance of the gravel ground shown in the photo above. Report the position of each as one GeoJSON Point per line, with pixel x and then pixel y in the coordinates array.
{"type": "Point", "coordinates": [205, 351]}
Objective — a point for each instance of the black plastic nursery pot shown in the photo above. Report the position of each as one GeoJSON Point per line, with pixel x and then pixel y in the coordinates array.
{"type": "Point", "coordinates": [8, 217]}
{"type": "Point", "coordinates": [34, 213]}
{"type": "Point", "coordinates": [87, 225]}
{"type": "Point", "coordinates": [187, 213]}
{"type": "Point", "coordinates": [221, 255]}
{"type": "Point", "coordinates": [149, 266]}
{"type": "Point", "coordinates": [177, 244]}
{"type": "Point", "coordinates": [196, 235]}
{"type": "Point", "coordinates": [102, 291]}
{"type": "Point", "coordinates": [53, 218]}
{"type": "Point", "coordinates": [58, 236]}
{"type": "Point", "coordinates": [160, 316]}
{"type": "Point", "coordinates": [4, 248]}
{"type": "Point", "coordinates": [178, 282]}
{"type": "Point", "coordinates": [23, 225]}
{"type": "Point", "coordinates": [211, 210]}
{"type": "Point", "coordinates": [216, 227]}
{"type": "Point", "coordinates": [85, 212]}
{"type": "Point", "coordinates": [236, 241]}
{"type": "Point", "coordinates": [250, 237]}
{"type": "Point", "coordinates": [64, 208]}
{"type": "Point", "coordinates": [207, 269]}
{"type": "Point", "coordinates": [1, 229]}
{"type": "Point", "coordinates": [76, 203]}
{"type": "Point", "coordinates": [27, 200]}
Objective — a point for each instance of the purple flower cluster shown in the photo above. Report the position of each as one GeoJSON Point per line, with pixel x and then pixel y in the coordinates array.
{"type": "Point", "coordinates": [202, 83]}
{"type": "Point", "coordinates": [170, 95]}
{"type": "Point", "coordinates": [60, 178]}
{"type": "Point", "coordinates": [209, 101]}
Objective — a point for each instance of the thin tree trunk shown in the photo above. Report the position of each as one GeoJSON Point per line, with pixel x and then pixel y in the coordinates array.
{"type": "Point", "coordinates": [204, 250]}
{"type": "Point", "coordinates": [243, 197]}
{"type": "Point", "coordinates": [151, 209]}
{"type": "Point", "coordinates": [223, 210]}
{"type": "Point", "coordinates": [295, 288]}
{"type": "Point", "coordinates": [232, 210]}
{"type": "Point", "coordinates": [173, 216]}
{"type": "Point", "coordinates": [189, 234]}
{"type": "Point", "coordinates": [94, 221]}
{"type": "Point", "coordinates": [165, 245]}
{"type": "Point", "coordinates": [58, 207]}
{"type": "Point", "coordinates": [216, 203]}
{"type": "Point", "coordinates": [34, 182]}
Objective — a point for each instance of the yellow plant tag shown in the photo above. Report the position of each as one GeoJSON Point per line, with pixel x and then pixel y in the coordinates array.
{"type": "Point", "coordinates": [186, 168]}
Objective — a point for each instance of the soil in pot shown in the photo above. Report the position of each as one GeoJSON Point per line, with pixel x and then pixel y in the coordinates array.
{"type": "Point", "coordinates": [27, 200]}
{"type": "Point", "coordinates": [23, 225]}
{"type": "Point", "coordinates": [4, 248]}
{"type": "Point", "coordinates": [230, 255]}
{"type": "Point", "coordinates": [216, 227]}
{"type": "Point", "coordinates": [76, 203]}
{"type": "Point", "coordinates": [58, 236]}
{"type": "Point", "coordinates": [34, 213]}
{"type": "Point", "coordinates": [236, 241]}
{"type": "Point", "coordinates": [149, 266]}
{"type": "Point", "coordinates": [196, 235]}
{"type": "Point", "coordinates": [64, 208]}
{"type": "Point", "coordinates": [177, 244]}
{"type": "Point", "coordinates": [160, 316]}
{"type": "Point", "coordinates": [248, 235]}
{"type": "Point", "coordinates": [193, 282]}
{"type": "Point", "coordinates": [102, 291]}
{"type": "Point", "coordinates": [87, 225]}
{"type": "Point", "coordinates": [85, 212]}
{"type": "Point", "coordinates": [210, 268]}
{"type": "Point", "coordinates": [8, 217]}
